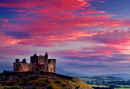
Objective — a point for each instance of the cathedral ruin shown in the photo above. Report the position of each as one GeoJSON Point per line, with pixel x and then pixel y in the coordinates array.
{"type": "Point", "coordinates": [37, 63]}
{"type": "Point", "coordinates": [39, 66]}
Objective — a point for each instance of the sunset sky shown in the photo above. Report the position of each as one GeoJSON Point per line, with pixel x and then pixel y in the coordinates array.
{"type": "Point", "coordinates": [85, 36]}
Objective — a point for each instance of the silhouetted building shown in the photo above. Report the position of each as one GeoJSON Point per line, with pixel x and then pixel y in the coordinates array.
{"type": "Point", "coordinates": [37, 63]}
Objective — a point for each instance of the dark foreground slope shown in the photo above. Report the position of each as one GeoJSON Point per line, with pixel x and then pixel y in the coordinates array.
{"type": "Point", "coordinates": [41, 80]}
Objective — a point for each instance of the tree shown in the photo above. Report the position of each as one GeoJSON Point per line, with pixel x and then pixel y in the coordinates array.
{"type": "Point", "coordinates": [50, 87]}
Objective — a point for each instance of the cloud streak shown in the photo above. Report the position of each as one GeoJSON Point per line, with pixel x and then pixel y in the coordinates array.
{"type": "Point", "coordinates": [80, 30]}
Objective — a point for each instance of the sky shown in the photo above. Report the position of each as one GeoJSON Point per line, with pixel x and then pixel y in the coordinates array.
{"type": "Point", "coordinates": [89, 37]}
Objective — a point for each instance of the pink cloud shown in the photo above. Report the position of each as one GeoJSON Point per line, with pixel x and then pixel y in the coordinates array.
{"type": "Point", "coordinates": [63, 4]}
{"type": "Point", "coordinates": [92, 12]}
{"type": "Point", "coordinates": [102, 1]}
{"type": "Point", "coordinates": [56, 22]}
{"type": "Point", "coordinates": [4, 20]}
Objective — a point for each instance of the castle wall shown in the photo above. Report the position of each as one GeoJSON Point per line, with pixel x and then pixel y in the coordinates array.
{"type": "Point", "coordinates": [23, 67]}
{"type": "Point", "coordinates": [42, 63]}
{"type": "Point", "coordinates": [52, 65]}
{"type": "Point", "coordinates": [41, 59]}
{"type": "Point", "coordinates": [18, 75]}
{"type": "Point", "coordinates": [38, 63]}
{"type": "Point", "coordinates": [34, 59]}
{"type": "Point", "coordinates": [32, 67]}
{"type": "Point", "coordinates": [16, 66]}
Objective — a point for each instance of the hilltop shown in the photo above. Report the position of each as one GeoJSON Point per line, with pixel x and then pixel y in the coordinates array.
{"type": "Point", "coordinates": [41, 80]}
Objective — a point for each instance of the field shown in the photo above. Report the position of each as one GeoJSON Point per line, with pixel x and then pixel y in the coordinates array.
{"type": "Point", "coordinates": [122, 88]}
{"type": "Point", "coordinates": [108, 81]}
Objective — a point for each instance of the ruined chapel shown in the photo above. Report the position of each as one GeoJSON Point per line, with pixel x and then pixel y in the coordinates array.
{"type": "Point", "coordinates": [37, 63]}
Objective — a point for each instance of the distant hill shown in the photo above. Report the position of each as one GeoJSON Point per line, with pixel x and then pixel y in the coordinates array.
{"type": "Point", "coordinates": [120, 75]}
{"type": "Point", "coordinates": [72, 74]}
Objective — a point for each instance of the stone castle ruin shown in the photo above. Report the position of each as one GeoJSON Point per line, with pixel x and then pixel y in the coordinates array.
{"type": "Point", "coordinates": [37, 63]}
{"type": "Point", "coordinates": [39, 66]}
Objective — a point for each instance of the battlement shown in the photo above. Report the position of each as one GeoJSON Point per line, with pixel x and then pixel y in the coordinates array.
{"type": "Point", "coordinates": [37, 63]}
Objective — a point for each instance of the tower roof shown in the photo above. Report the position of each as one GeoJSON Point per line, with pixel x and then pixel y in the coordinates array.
{"type": "Point", "coordinates": [46, 55]}
{"type": "Point", "coordinates": [35, 55]}
{"type": "Point", "coordinates": [24, 60]}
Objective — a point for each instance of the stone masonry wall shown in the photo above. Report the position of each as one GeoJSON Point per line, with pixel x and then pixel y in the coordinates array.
{"type": "Point", "coordinates": [52, 65]}
{"type": "Point", "coordinates": [18, 75]}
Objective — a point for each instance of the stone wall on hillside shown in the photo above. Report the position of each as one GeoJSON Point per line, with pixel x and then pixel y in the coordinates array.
{"type": "Point", "coordinates": [11, 75]}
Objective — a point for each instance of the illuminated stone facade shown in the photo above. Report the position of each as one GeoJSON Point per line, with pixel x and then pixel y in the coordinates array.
{"type": "Point", "coordinates": [37, 63]}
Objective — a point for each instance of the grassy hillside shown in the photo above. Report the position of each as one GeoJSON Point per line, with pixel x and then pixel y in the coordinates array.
{"type": "Point", "coordinates": [44, 83]}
